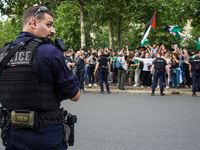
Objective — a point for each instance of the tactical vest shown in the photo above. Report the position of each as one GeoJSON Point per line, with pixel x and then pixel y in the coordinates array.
{"type": "Point", "coordinates": [20, 86]}
{"type": "Point", "coordinates": [160, 64]}
{"type": "Point", "coordinates": [103, 62]}
{"type": "Point", "coordinates": [196, 64]}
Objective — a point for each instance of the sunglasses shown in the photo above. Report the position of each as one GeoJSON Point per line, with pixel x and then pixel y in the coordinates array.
{"type": "Point", "coordinates": [41, 9]}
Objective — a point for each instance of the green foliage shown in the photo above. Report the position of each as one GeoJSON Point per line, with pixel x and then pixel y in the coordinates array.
{"type": "Point", "coordinates": [128, 16]}
{"type": "Point", "coordinates": [7, 32]}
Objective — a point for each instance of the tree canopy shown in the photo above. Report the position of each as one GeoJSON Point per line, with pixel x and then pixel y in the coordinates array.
{"type": "Point", "coordinates": [125, 19]}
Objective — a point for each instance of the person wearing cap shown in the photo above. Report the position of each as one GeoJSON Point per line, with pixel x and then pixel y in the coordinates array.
{"type": "Point", "coordinates": [68, 59]}
{"type": "Point", "coordinates": [194, 69]}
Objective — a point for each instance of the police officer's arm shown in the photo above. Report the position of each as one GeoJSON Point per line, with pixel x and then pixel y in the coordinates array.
{"type": "Point", "coordinates": [190, 70]}
{"type": "Point", "coordinates": [108, 64]}
{"type": "Point", "coordinates": [97, 65]}
{"type": "Point", "coordinates": [153, 66]}
{"type": "Point", "coordinates": [76, 97]}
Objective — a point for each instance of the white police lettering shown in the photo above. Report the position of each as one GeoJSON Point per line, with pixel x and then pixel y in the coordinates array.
{"type": "Point", "coordinates": [160, 60]}
{"type": "Point", "coordinates": [196, 60]}
{"type": "Point", "coordinates": [2, 56]}
{"type": "Point", "coordinates": [21, 58]}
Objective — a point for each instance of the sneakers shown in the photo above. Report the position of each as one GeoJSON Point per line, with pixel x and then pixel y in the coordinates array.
{"type": "Point", "coordinates": [95, 85]}
{"type": "Point", "coordinates": [142, 86]}
{"type": "Point", "coordinates": [167, 87]}
{"type": "Point", "coordinates": [158, 87]}
{"type": "Point", "coordinates": [90, 85]}
{"type": "Point", "coordinates": [82, 91]}
{"type": "Point", "coordinates": [135, 85]}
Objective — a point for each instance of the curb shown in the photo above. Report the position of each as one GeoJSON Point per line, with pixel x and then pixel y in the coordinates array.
{"type": "Point", "coordinates": [139, 91]}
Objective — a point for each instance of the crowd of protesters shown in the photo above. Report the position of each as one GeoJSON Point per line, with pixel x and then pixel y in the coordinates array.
{"type": "Point", "coordinates": [136, 66]}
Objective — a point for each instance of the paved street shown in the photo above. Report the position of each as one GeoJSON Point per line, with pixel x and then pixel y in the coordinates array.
{"type": "Point", "coordinates": [135, 122]}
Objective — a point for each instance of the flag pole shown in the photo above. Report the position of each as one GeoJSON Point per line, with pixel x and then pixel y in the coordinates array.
{"type": "Point", "coordinates": [192, 39]}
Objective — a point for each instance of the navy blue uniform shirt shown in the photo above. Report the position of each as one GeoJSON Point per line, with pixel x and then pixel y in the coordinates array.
{"type": "Point", "coordinates": [154, 62]}
{"type": "Point", "coordinates": [52, 67]}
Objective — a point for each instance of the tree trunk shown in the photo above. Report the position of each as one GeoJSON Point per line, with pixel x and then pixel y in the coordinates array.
{"type": "Point", "coordinates": [82, 25]}
{"type": "Point", "coordinates": [119, 35]}
{"type": "Point", "coordinates": [111, 38]}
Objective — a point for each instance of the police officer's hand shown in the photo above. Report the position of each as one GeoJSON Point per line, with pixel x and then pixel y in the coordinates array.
{"type": "Point", "coordinates": [190, 74]}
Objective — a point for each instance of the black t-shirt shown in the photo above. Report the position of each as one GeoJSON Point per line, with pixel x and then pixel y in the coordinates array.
{"type": "Point", "coordinates": [171, 49]}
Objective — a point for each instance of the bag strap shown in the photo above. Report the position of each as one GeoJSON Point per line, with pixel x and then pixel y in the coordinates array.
{"type": "Point", "coordinates": [6, 59]}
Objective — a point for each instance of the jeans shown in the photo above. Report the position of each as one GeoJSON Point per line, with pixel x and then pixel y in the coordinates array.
{"type": "Point", "coordinates": [176, 77]}
{"type": "Point", "coordinates": [85, 75]}
{"type": "Point", "coordinates": [80, 75]}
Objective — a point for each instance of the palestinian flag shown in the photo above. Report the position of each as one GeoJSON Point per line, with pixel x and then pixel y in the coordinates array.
{"type": "Point", "coordinates": [180, 35]}
{"type": "Point", "coordinates": [174, 30]}
{"type": "Point", "coordinates": [151, 25]}
{"type": "Point", "coordinates": [146, 42]}
{"type": "Point", "coordinates": [198, 43]}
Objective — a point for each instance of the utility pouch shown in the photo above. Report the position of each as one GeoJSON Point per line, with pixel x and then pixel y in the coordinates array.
{"type": "Point", "coordinates": [25, 119]}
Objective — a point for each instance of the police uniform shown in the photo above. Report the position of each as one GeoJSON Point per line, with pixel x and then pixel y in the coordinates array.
{"type": "Point", "coordinates": [103, 72]}
{"type": "Point", "coordinates": [37, 80]}
{"type": "Point", "coordinates": [160, 64]}
{"type": "Point", "coordinates": [195, 63]}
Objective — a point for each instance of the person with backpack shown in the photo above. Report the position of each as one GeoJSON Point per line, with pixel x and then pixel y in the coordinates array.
{"type": "Point", "coordinates": [114, 68]}
{"type": "Point", "coordinates": [121, 65]}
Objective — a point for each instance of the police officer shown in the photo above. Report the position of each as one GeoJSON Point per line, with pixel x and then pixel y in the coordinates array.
{"type": "Point", "coordinates": [160, 65]}
{"type": "Point", "coordinates": [103, 70]}
{"type": "Point", "coordinates": [194, 69]}
{"type": "Point", "coordinates": [34, 84]}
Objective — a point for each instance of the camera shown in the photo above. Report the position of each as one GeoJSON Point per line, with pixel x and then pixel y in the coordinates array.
{"type": "Point", "coordinates": [70, 121]}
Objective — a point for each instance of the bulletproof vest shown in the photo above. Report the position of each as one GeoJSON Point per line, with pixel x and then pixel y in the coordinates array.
{"type": "Point", "coordinates": [103, 62]}
{"type": "Point", "coordinates": [160, 64]}
{"type": "Point", "coordinates": [196, 64]}
{"type": "Point", "coordinates": [20, 86]}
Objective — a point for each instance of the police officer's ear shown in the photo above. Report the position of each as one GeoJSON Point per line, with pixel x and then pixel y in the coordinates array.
{"type": "Point", "coordinates": [33, 23]}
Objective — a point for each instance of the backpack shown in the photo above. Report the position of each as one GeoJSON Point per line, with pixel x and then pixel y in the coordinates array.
{"type": "Point", "coordinates": [119, 63]}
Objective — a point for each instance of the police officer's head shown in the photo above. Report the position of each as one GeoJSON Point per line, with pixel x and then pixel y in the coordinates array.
{"type": "Point", "coordinates": [38, 20]}
{"type": "Point", "coordinates": [196, 53]}
{"type": "Point", "coordinates": [159, 54]}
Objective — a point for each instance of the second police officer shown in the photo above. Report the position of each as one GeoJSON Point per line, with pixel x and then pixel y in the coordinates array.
{"type": "Point", "coordinates": [160, 66]}
{"type": "Point", "coordinates": [103, 70]}
{"type": "Point", "coordinates": [194, 69]}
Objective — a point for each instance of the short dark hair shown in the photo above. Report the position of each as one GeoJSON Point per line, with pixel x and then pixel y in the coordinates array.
{"type": "Point", "coordinates": [30, 13]}
{"type": "Point", "coordinates": [196, 52]}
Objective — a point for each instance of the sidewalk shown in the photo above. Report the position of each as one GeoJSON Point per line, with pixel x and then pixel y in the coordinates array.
{"type": "Point", "coordinates": [139, 90]}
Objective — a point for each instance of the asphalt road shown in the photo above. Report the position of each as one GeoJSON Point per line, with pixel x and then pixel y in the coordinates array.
{"type": "Point", "coordinates": [135, 122]}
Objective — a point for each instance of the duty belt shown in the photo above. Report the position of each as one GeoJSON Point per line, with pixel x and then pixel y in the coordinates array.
{"type": "Point", "coordinates": [34, 120]}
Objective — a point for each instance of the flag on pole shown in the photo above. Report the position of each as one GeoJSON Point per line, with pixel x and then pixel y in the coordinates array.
{"type": "Point", "coordinates": [198, 43]}
{"type": "Point", "coordinates": [174, 30]}
{"type": "Point", "coordinates": [146, 42]}
{"type": "Point", "coordinates": [151, 25]}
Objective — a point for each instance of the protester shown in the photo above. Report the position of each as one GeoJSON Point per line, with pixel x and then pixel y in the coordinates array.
{"type": "Point", "coordinates": [137, 71]}
{"type": "Point", "coordinates": [114, 68]}
{"type": "Point", "coordinates": [91, 61]}
{"type": "Point", "coordinates": [80, 69]}
{"type": "Point", "coordinates": [186, 64]}
{"type": "Point", "coordinates": [147, 64]}
{"type": "Point", "coordinates": [175, 71]}
{"type": "Point", "coordinates": [121, 71]}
